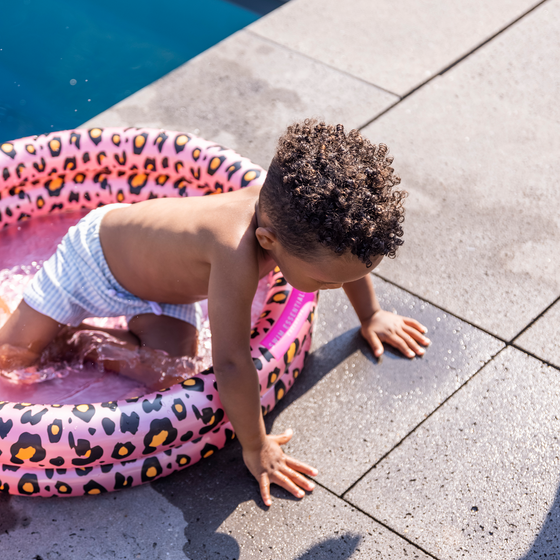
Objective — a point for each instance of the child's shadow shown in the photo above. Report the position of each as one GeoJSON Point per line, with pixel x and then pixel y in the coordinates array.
{"type": "Point", "coordinates": [322, 361]}
{"type": "Point", "coordinates": [547, 542]}
{"type": "Point", "coordinates": [209, 492]}
{"type": "Point", "coordinates": [340, 547]}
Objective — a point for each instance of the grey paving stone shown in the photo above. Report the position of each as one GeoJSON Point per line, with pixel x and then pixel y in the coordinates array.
{"type": "Point", "coordinates": [395, 45]}
{"type": "Point", "coordinates": [347, 410]}
{"type": "Point", "coordinates": [244, 92]}
{"type": "Point", "coordinates": [138, 523]}
{"type": "Point", "coordinates": [479, 479]}
{"type": "Point", "coordinates": [226, 519]}
{"type": "Point", "coordinates": [478, 151]}
{"type": "Point", "coordinates": [541, 339]}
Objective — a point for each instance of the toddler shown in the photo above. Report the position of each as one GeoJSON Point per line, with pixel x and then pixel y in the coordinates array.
{"type": "Point", "coordinates": [326, 214]}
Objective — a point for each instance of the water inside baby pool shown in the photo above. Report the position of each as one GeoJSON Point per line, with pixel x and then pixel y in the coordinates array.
{"type": "Point", "coordinates": [23, 249]}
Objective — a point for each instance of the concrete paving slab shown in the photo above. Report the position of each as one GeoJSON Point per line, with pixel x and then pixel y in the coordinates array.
{"type": "Point", "coordinates": [347, 410]}
{"type": "Point", "coordinates": [395, 45]}
{"type": "Point", "coordinates": [227, 520]}
{"type": "Point", "coordinates": [138, 523]}
{"type": "Point", "coordinates": [480, 478]}
{"type": "Point", "coordinates": [541, 339]}
{"type": "Point", "coordinates": [243, 93]}
{"type": "Point", "coordinates": [478, 151]}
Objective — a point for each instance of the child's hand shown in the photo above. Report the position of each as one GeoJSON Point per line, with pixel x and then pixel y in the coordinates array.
{"type": "Point", "coordinates": [270, 464]}
{"type": "Point", "coordinates": [403, 333]}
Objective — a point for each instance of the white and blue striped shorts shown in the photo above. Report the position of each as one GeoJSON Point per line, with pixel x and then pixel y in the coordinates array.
{"type": "Point", "coordinates": [76, 283]}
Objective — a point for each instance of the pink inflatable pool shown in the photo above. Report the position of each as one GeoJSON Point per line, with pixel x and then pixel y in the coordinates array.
{"type": "Point", "coordinates": [73, 447]}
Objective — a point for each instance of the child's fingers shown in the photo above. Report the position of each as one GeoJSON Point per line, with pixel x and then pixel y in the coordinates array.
{"type": "Point", "coordinates": [374, 342]}
{"type": "Point", "coordinates": [416, 335]}
{"type": "Point", "coordinates": [399, 342]}
{"type": "Point", "coordinates": [414, 323]}
{"type": "Point", "coordinates": [282, 480]}
{"type": "Point", "coordinates": [264, 485]}
{"type": "Point", "coordinates": [298, 479]}
{"type": "Point", "coordinates": [411, 343]}
{"type": "Point", "coordinates": [300, 467]}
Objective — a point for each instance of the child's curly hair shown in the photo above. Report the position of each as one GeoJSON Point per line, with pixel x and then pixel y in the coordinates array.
{"type": "Point", "coordinates": [336, 189]}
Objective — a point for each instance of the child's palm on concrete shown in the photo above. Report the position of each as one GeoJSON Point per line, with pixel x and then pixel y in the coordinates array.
{"type": "Point", "coordinates": [403, 333]}
{"type": "Point", "coordinates": [270, 464]}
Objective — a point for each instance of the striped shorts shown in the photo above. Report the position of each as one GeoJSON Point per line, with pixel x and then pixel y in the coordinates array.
{"type": "Point", "coordinates": [76, 283]}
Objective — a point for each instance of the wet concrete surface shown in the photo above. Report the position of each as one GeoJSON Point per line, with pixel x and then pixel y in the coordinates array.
{"type": "Point", "coordinates": [139, 523]}
{"type": "Point", "coordinates": [226, 519]}
{"type": "Point", "coordinates": [244, 93]}
{"type": "Point", "coordinates": [481, 475]}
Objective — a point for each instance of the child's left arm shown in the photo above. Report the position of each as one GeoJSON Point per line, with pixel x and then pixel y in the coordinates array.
{"type": "Point", "coordinates": [379, 326]}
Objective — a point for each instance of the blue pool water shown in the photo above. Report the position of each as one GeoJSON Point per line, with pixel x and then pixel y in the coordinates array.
{"type": "Point", "coordinates": [64, 61]}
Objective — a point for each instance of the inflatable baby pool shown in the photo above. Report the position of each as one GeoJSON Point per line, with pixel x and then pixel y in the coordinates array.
{"type": "Point", "coordinates": [90, 448]}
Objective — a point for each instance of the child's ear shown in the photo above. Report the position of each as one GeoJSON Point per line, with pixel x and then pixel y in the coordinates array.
{"type": "Point", "coordinates": [266, 238]}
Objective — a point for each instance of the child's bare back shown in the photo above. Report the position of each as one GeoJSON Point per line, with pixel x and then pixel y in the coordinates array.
{"type": "Point", "coordinates": [171, 249]}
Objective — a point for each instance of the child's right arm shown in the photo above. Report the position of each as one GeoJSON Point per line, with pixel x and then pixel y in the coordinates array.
{"type": "Point", "coordinates": [230, 294]}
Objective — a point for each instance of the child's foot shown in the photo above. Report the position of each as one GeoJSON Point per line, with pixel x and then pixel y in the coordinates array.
{"type": "Point", "coordinates": [19, 364]}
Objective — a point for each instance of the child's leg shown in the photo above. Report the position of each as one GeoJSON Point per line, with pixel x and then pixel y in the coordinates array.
{"type": "Point", "coordinates": [27, 333]}
{"type": "Point", "coordinates": [24, 336]}
{"type": "Point", "coordinates": [105, 346]}
{"type": "Point", "coordinates": [133, 353]}
{"type": "Point", "coordinates": [161, 332]}
{"type": "Point", "coordinates": [125, 336]}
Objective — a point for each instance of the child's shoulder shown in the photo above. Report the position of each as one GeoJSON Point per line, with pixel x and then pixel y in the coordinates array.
{"type": "Point", "coordinates": [230, 217]}
{"type": "Point", "coordinates": [224, 216]}
{"type": "Point", "coordinates": [228, 229]}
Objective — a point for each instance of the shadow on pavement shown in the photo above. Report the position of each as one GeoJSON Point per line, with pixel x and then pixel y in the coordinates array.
{"type": "Point", "coordinates": [209, 492]}
{"type": "Point", "coordinates": [547, 542]}
{"type": "Point", "coordinates": [341, 548]}
{"type": "Point", "coordinates": [9, 519]}
{"type": "Point", "coordinates": [323, 360]}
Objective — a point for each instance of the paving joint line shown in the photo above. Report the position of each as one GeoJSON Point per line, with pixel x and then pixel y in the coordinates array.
{"type": "Point", "coordinates": [542, 360]}
{"type": "Point", "coordinates": [506, 342]}
{"type": "Point", "coordinates": [399, 443]}
{"type": "Point", "coordinates": [308, 57]}
{"type": "Point", "coordinates": [443, 309]}
{"type": "Point", "coordinates": [531, 323]}
{"type": "Point", "coordinates": [388, 527]}
{"type": "Point", "coordinates": [454, 63]}
{"type": "Point", "coordinates": [492, 37]}
{"type": "Point", "coordinates": [342, 496]}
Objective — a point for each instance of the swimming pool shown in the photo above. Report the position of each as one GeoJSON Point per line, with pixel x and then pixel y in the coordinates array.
{"type": "Point", "coordinates": [64, 61]}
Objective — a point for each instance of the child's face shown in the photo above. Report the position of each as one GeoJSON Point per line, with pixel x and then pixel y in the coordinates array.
{"type": "Point", "coordinates": [326, 271]}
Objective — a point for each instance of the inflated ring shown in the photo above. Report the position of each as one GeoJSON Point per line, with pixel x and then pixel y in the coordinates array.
{"type": "Point", "coordinates": [70, 450]}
